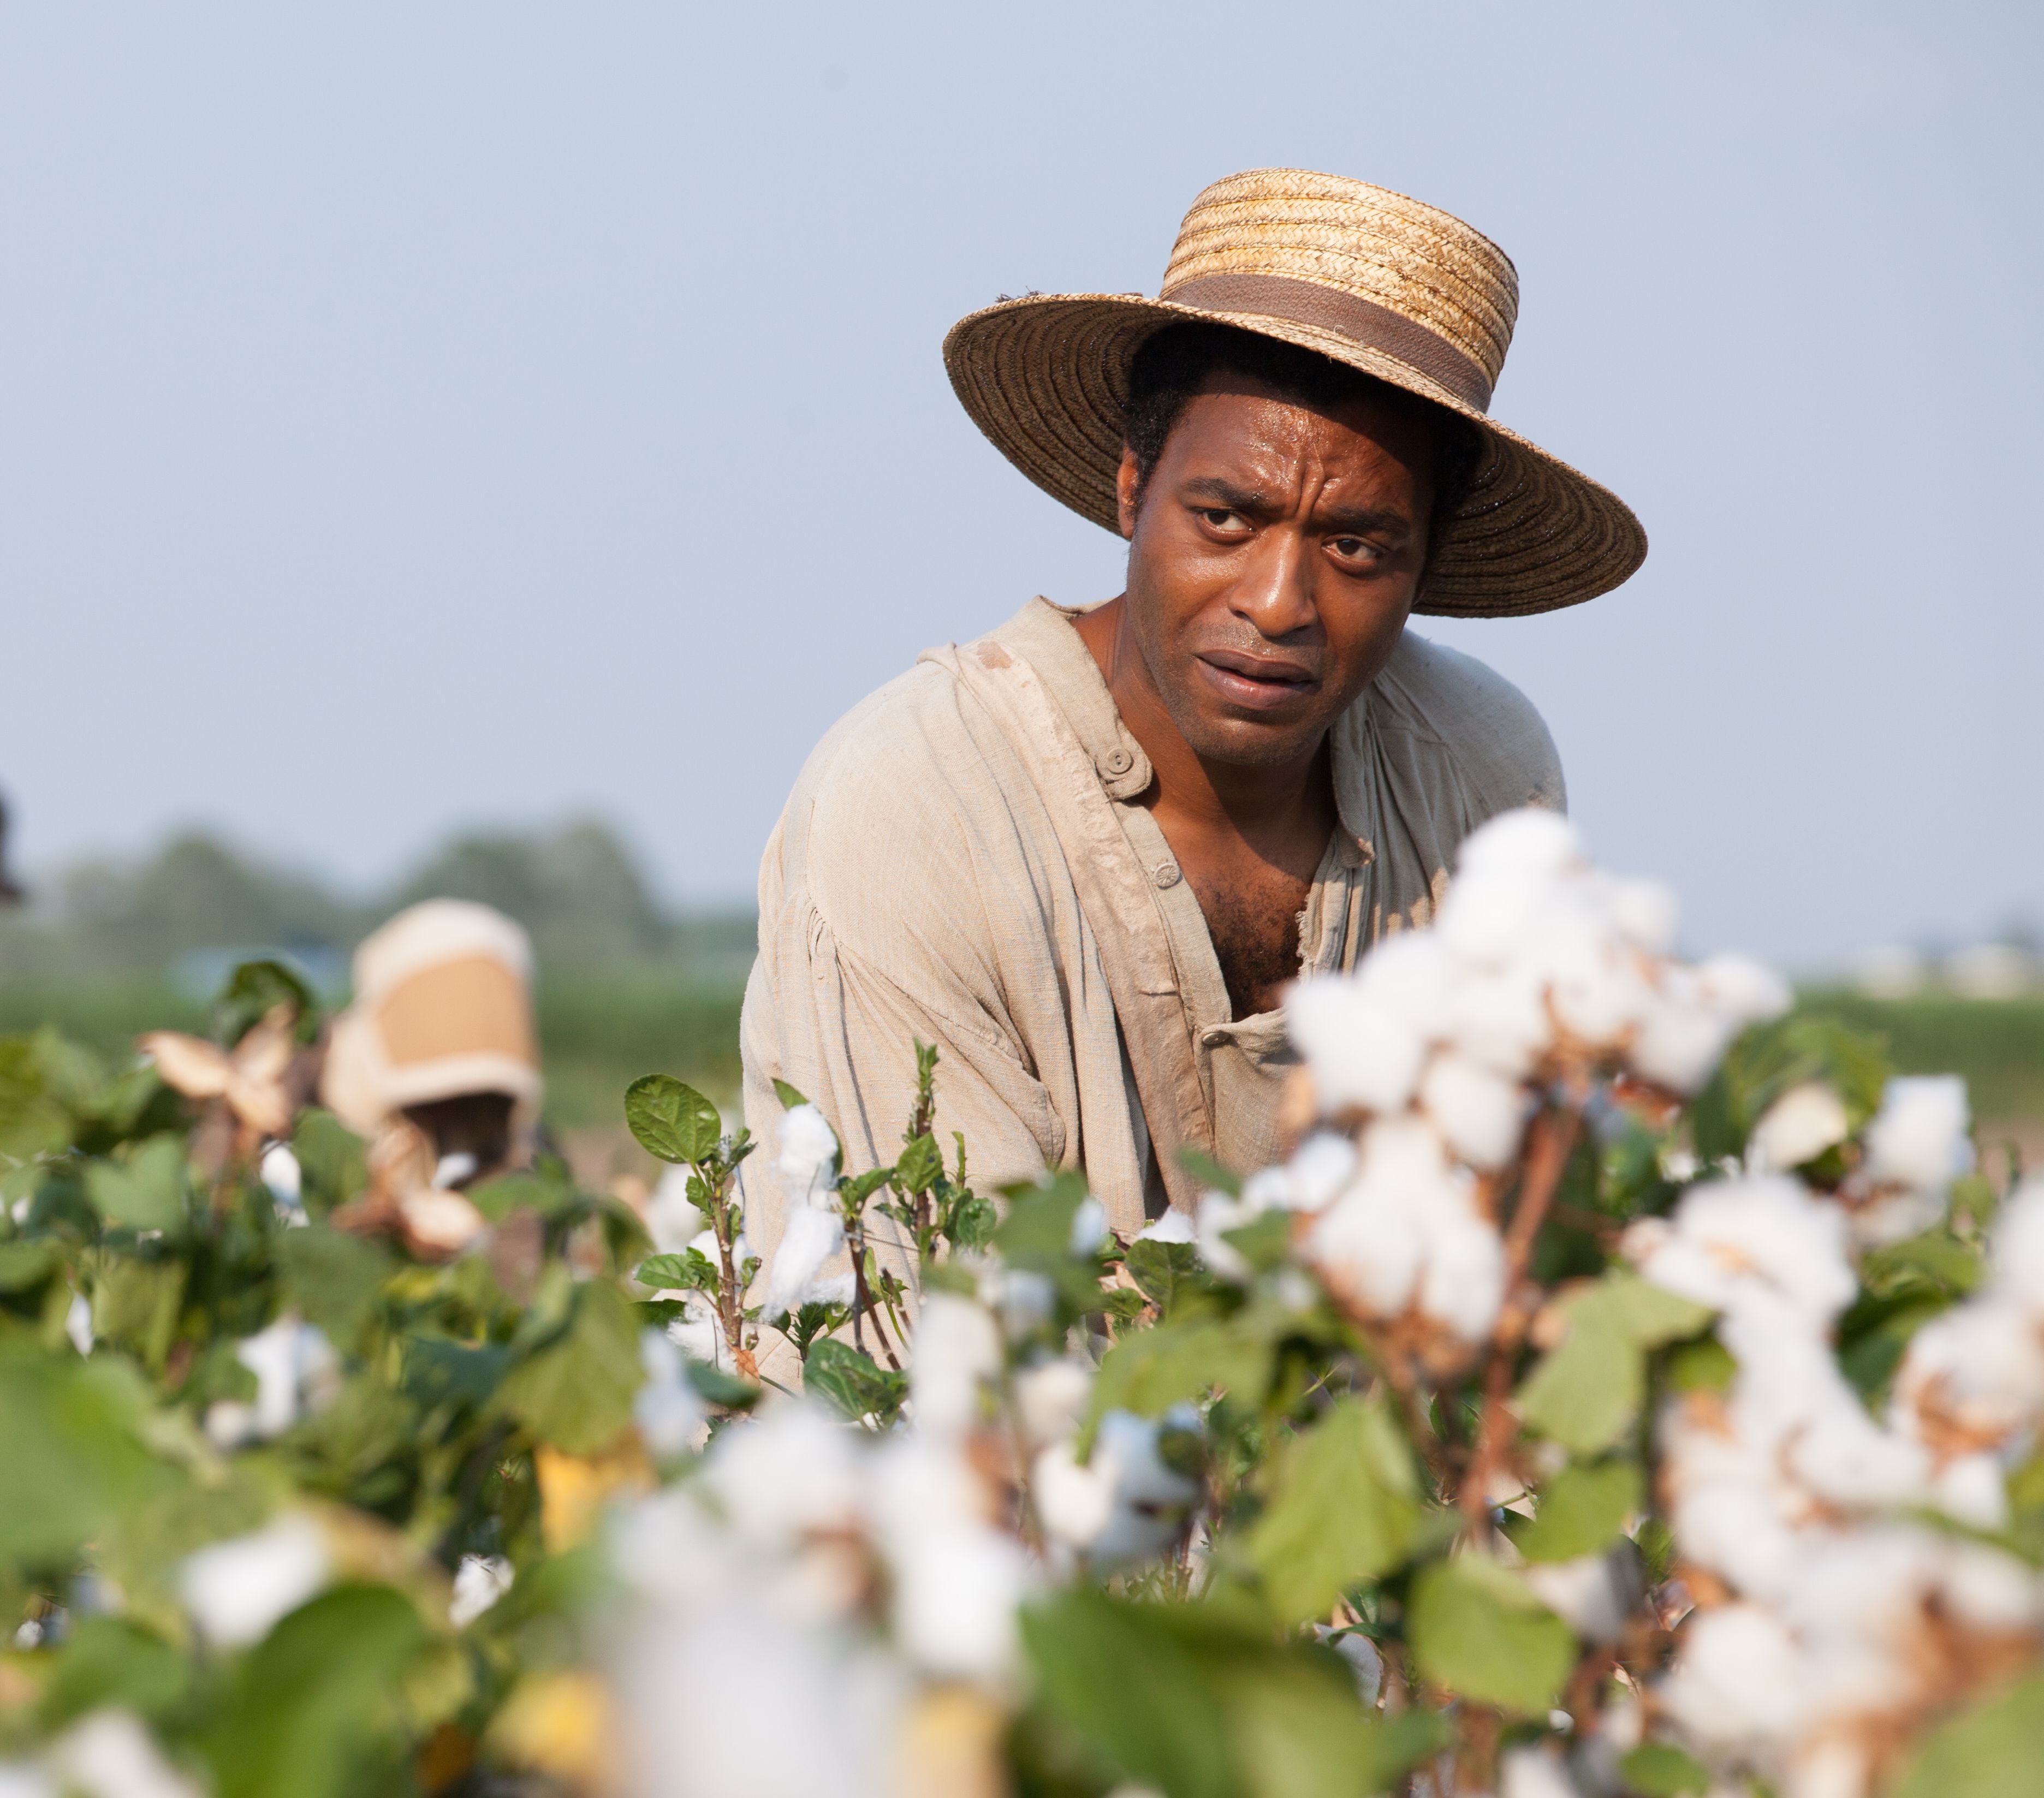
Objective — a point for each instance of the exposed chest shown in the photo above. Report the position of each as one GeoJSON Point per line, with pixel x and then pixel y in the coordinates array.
{"type": "Point", "coordinates": [1252, 911]}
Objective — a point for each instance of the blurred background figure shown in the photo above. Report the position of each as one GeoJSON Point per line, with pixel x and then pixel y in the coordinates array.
{"type": "Point", "coordinates": [440, 1042]}
{"type": "Point", "coordinates": [10, 891]}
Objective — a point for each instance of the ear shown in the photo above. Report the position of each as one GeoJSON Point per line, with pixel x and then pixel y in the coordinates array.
{"type": "Point", "coordinates": [1127, 491]}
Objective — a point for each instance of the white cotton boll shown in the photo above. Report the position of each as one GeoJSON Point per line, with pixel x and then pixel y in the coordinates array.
{"type": "Point", "coordinates": [811, 1239]}
{"type": "Point", "coordinates": [2015, 1251]}
{"type": "Point", "coordinates": [1026, 1301]}
{"type": "Point", "coordinates": [789, 1473]}
{"type": "Point", "coordinates": [1463, 1287]}
{"type": "Point", "coordinates": [236, 1591]}
{"type": "Point", "coordinates": [1535, 1772]}
{"type": "Point", "coordinates": [1737, 1681]}
{"type": "Point", "coordinates": [956, 1590]}
{"type": "Point", "coordinates": [1219, 1214]}
{"type": "Point", "coordinates": [1529, 842]}
{"type": "Point", "coordinates": [1362, 1053]}
{"type": "Point", "coordinates": [1678, 1041]}
{"type": "Point", "coordinates": [1743, 989]}
{"type": "Point", "coordinates": [1919, 1137]}
{"type": "Point", "coordinates": [111, 1754]}
{"type": "Point", "coordinates": [1895, 1216]}
{"type": "Point", "coordinates": [1479, 1113]}
{"type": "Point", "coordinates": [1364, 1660]}
{"type": "Point", "coordinates": [1500, 1020]}
{"type": "Point", "coordinates": [1833, 1766]}
{"type": "Point", "coordinates": [1319, 1168]}
{"type": "Point", "coordinates": [77, 1323]}
{"type": "Point", "coordinates": [1050, 1398]}
{"type": "Point", "coordinates": [1843, 1456]}
{"type": "Point", "coordinates": [1799, 1127]}
{"type": "Point", "coordinates": [1737, 1531]}
{"type": "Point", "coordinates": [1410, 975]}
{"type": "Point", "coordinates": [1089, 1230]}
{"type": "Point", "coordinates": [667, 1409]}
{"type": "Point", "coordinates": [1151, 1500]}
{"type": "Point", "coordinates": [1646, 913]}
{"type": "Point", "coordinates": [18, 1780]}
{"type": "Point", "coordinates": [698, 1332]}
{"type": "Point", "coordinates": [808, 1156]}
{"type": "Point", "coordinates": [1987, 1589]}
{"type": "Point", "coordinates": [286, 1357]}
{"type": "Point", "coordinates": [279, 1171]}
{"type": "Point", "coordinates": [1072, 1502]}
{"type": "Point", "coordinates": [228, 1423]}
{"type": "Point", "coordinates": [1174, 1226]}
{"type": "Point", "coordinates": [1369, 1249]}
{"type": "Point", "coordinates": [1970, 1488]}
{"type": "Point", "coordinates": [671, 1219]}
{"type": "Point", "coordinates": [1594, 984]}
{"type": "Point", "coordinates": [1489, 923]}
{"type": "Point", "coordinates": [479, 1581]}
{"type": "Point", "coordinates": [1593, 1595]}
{"type": "Point", "coordinates": [957, 1348]}
{"type": "Point", "coordinates": [1766, 1228]}
{"type": "Point", "coordinates": [1980, 1366]}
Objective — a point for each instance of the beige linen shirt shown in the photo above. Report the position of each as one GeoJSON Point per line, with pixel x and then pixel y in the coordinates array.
{"type": "Point", "coordinates": [965, 859]}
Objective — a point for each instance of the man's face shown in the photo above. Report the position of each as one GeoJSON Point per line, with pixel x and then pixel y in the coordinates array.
{"type": "Point", "coordinates": [1273, 560]}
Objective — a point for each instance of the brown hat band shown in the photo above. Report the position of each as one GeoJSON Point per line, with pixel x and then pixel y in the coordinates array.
{"type": "Point", "coordinates": [1348, 315]}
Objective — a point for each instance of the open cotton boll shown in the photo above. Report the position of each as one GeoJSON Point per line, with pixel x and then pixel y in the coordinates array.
{"type": "Point", "coordinates": [957, 1347]}
{"type": "Point", "coordinates": [1917, 1138]}
{"type": "Point", "coordinates": [1490, 922]}
{"type": "Point", "coordinates": [1679, 1038]}
{"type": "Point", "coordinates": [1745, 990]}
{"type": "Point", "coordinates": [811, 1239]}
{"type": "Point", "coordinates": [1645, 912]}
{"type": "Point", "coordinates": [667, 1409]}
{"type": "Point", "coordinates": [479, 1581]}
{"type": "Point", "coordinates": [1050, 1399]}
{"type": "Point", "coordinates": [1526, 843]}
{"type": "Point", "coordinates": [1895, 1216]}
{"type": "Point", "coordinates": [295, 1369]}
{"type": "Point", "coordinates": [1799, 1127]}
{"type": "Point", "coordinates": [111, 1754]}
{"type": "Point", "coordinates": [807, 1162]}
{"type": "Point", "coordinates": [2016, 1252]}
{"type": "Point", "coordinates": [1970, 1488]}
{"type": "Point", "coordinates": [1766, 1228]}
{"type": "Point", "coordinates": [1410, 974]}
{"type": "Point", "coordinates": [1479, 1113]}
{"type": "Point", "coordinates": [1151, 1500]}
{"type": "Point", "coordinates": [1089, 1230]}
{"type": "Point", "coordinates": [279, 1171]}
{"type": "Point", "coordinates": [1072, 1502]}
{"type": "Point", "coordinates": [1535, 1772]}
{"type": "Point", "coordinates": [956, 1591]}
{"type": "Point", "coordinates": [1979, 1367]}
{"type": "Point", "coordinates": [1174, 1226]}
{"type": "Point", "coordinates": [237, 1590]}
{"type": "Point", "coordinates": [1219, 1213]}
{"type": "Point", "coordinates": [789, 1472]}
{"type": "Point", "coordinates": [1463, 1286]}
{"type": "Point", "coordinates": [1737, 1682]}
{"type": "Point", "coordinates": [1319, 1168]}
{"type": "Point", "coordinates": [1368, 1247]}
{"type": "Point", "coordinates": [1362, 1052]}
{"type": "Point", "coordinates": [1594, 984]}
{"type": "Point", "coordinates": [1500, 1021]}
{"type": "Point", "coordinates": [1593, 1595]}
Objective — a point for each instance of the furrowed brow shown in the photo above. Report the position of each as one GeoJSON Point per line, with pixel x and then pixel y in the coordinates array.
{"type": "Point", "coordinates": [1363, 521]}
{"type": "Point", "coordinates": [1225, 492]}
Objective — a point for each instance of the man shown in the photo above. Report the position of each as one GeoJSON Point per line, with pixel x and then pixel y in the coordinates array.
{"type": "Point", "coordinates": [1085, 855]}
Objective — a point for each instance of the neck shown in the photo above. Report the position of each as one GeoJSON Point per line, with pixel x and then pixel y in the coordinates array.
{"type": "Point", "coordinates": [1255, 799]}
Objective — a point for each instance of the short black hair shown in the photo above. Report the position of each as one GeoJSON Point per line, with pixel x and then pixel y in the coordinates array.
{"type": "Point", "coordinates": [1170, 366]}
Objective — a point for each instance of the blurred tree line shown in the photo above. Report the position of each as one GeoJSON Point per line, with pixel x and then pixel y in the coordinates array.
{"type": "Point", "coordinates": [577, 888]}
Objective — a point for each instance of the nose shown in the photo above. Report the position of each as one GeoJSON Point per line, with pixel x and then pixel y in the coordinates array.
{"type": "Point", "coordinates": [1276, 591]}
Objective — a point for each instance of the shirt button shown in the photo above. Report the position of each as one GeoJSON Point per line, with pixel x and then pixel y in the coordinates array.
{"type": "Point", "coordinates": [1213, 1039]}
{"type": "Point", "coordinates": [1119, 762]}
{"type": "Point", "coordinates": [1168, 875]}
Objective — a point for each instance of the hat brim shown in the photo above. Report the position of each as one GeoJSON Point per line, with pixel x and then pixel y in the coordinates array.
{"type": "Point", "coordinates": [1046, 377]}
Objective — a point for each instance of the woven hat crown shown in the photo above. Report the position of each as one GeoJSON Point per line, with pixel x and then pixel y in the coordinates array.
{"type": "Point", "coordinates": [1416, 261]}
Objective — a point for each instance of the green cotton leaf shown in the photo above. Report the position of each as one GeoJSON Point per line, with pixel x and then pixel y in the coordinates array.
{"type": "Point", "coordinates": [25, 1265]}
{"type": "Point", "coordinates": [1706, 1366]}
{"type": "Point", "coordinates": [253, 991]}
{"type": "Point", "coordinates": [1345, 1507]}
{"type": "Point", "coordinates": [136, 1303]}
{"type": "Point", "coordinates": [333, 1162]}
{"type": "Point", "coordinates": [1651, 1316]}
{"type": "Point", "coordinates": [336, 1279]}
{"type": "Point", "coordinates": [691, 1271]}
{"type": "Point", "coordinates": [671, 1120]}
{"type": "Point", "coordinates": [921, 1164]}
{"type": "Point", "coordinates": [1151, 1370]}
{"type": "Point", "coordinates": [1133, 1689]}
{"type": "Point", "coordinates": [1164, 1271]}
{"type": "Point", "coordinates": [790, 1097]}
{"type": "Point", "coordinates": [721, 1388]}
{"type": "Point", "coordinates": [1585, 1392]}
{"type": "Point", "coordinates": [1208, 1172]}
{"type": "Point", "coordinates": [1037, 1232]}
{"type": "Point", "coordinates": [143, 1190]}
{"type": "Point", "coordinates": [1656, 1769]}
{"type": "Point", "coordinates": [1264, 1242]}
{"type": "Point", "coordinates": [1991, 1751]}
{"type": "Point", "coordinates": [576, 1392]}
{"type": "Point", "coordinates": [109, 1660]}
{"type": "Point", "coordinates": [1476, 1628]}
{"type": "Point", "coordinates": [549, 1189]}
{"type": "Point", "coordinates": [1583, 1510]}
{"type": "Point", "coordinates": [317, 1710]}
{"type": "Point", "coordinates": [856, 1384]}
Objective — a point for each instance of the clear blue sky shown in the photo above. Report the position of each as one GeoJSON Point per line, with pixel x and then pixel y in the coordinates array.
{"type": "Point", "coordinates": [414, 415]}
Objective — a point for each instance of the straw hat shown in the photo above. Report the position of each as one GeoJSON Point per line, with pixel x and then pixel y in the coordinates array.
{"type": "Point", "coordinates": [1401, 291]}
{"type": "Point", "coordinates": [443, 1008]}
